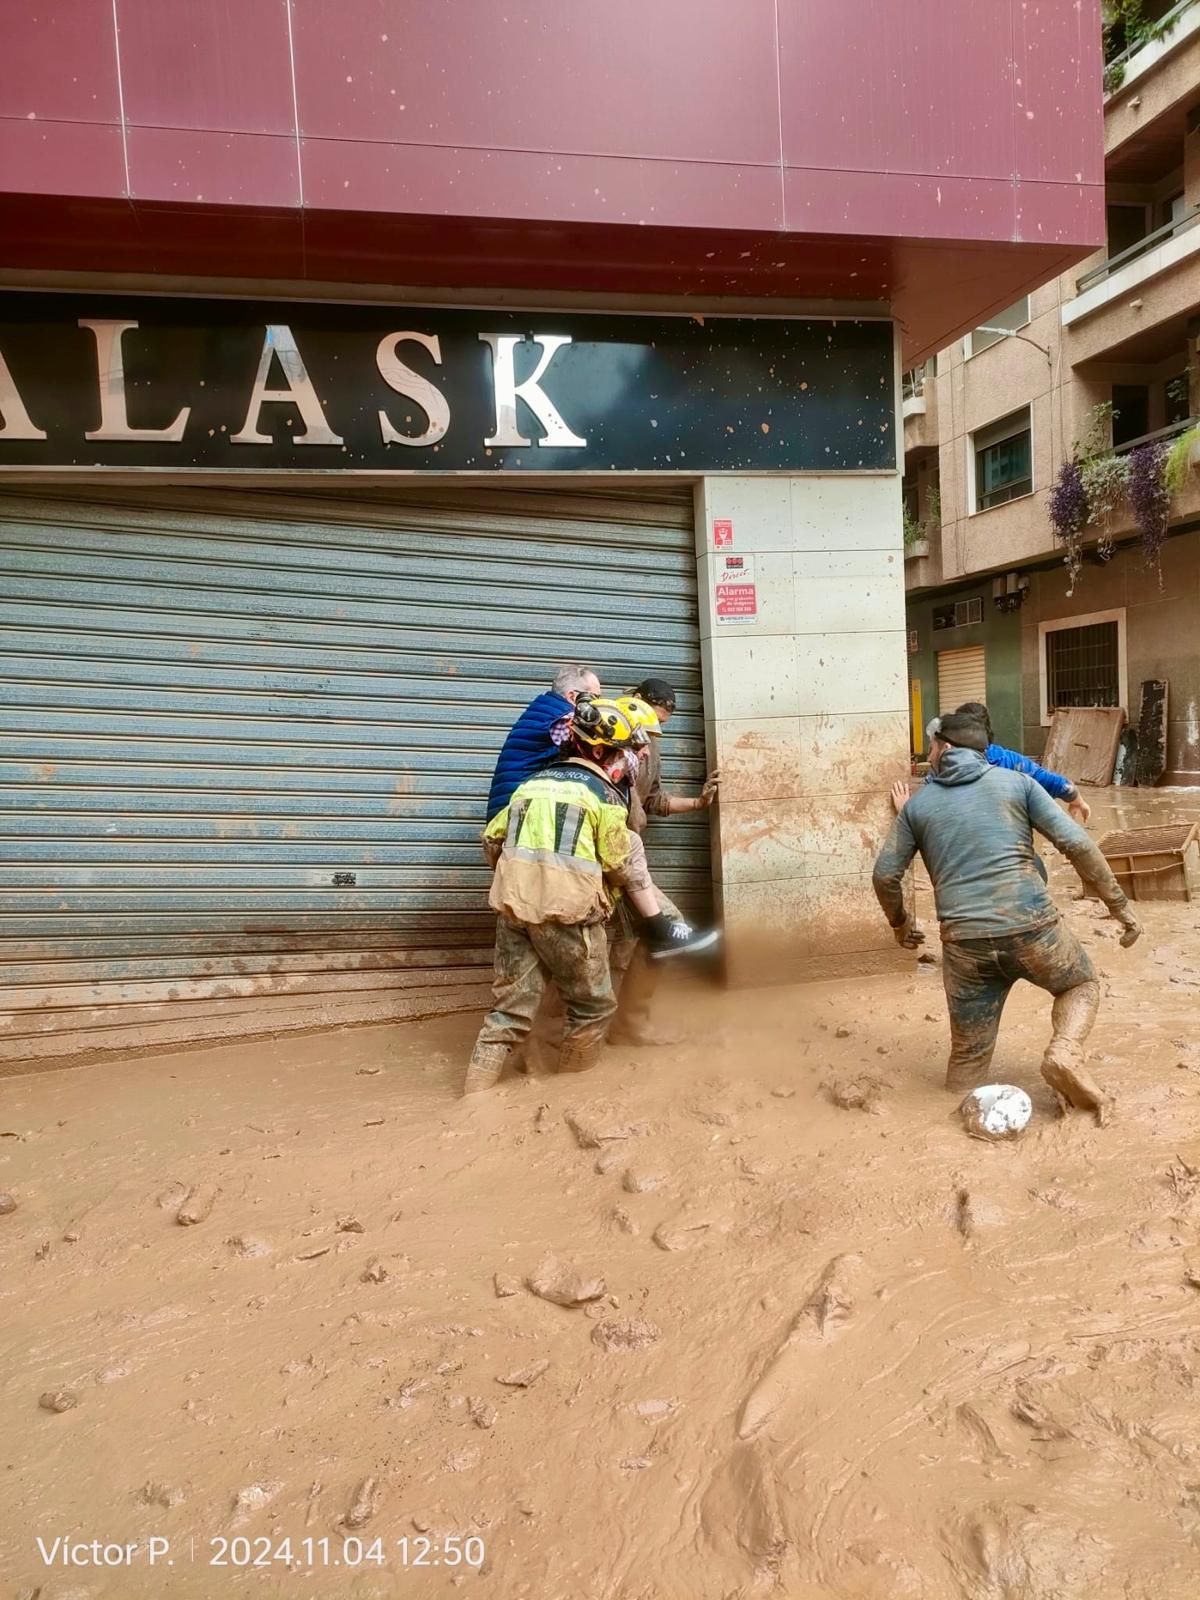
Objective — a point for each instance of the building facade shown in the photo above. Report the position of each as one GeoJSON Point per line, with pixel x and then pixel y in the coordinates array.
{"type": "Point", "coordinates": [356, 371]}
{"type": "Point", "coordinates": [1099, 367]}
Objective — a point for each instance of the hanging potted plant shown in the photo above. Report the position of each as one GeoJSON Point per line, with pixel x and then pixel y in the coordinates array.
{"type": "Point", "coordinates": [1069, 516]}
{"type": "Point", "coordinates": [1150, 500]}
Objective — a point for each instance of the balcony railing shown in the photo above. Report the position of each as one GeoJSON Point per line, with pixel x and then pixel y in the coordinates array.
{"type": "Point", "coordinates": [1168, 230]}
{"type": "Point", "coordinates": [1159, 436]}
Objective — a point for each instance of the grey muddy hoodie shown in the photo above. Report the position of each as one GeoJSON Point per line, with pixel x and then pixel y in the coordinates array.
{"type": "Point", "coordinates": [973, 825]}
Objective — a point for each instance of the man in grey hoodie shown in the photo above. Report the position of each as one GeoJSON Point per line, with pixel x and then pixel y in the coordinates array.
{"type": "Point", "coordinates": [974, 826]}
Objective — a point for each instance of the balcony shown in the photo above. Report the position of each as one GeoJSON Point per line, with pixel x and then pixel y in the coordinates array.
{"type": "Point", "coordinates": [922, 521]}
{"type": "Point", "coordinates": [1131, 68]}
{"type": "Point", "coordinates": [923, 565]}
{"type": "Point", "coordinates": [918, 404]}
{"type": "Point", "coordinates": [1139, 293]}
{"type": "Point", "coordinates": [1121, 527]}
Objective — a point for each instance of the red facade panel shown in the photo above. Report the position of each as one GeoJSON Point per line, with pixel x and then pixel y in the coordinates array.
{"type": "Point", "coordinates": [60, 64]}
{"type": "Point", "coordinates": [76, 159]}
{"type": "Point", "coordinates": [1057, 64]}
{"type": "Point", "coordinates": [904, 88]}
{"type": "Point", "coordinates": [519, 184]}
{"type": "Point", "coordinates": [677, 80]}
{"type": "Point", "coordinates": [200, 168]}
{"type": "Point", "coordinates": [221, 65]}
{"type": "Point", "coordinates": [617, 147]}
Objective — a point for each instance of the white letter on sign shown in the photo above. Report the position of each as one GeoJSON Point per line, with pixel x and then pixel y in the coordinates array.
{"type": "Point", "coordinates": [418, 389]}
{"type": "Point", "coordinates": [504, 381]}
{"type": "Point", "coordinates": [114, 419]}
{"type": "Point", "coordinates": [278, 341]}
{"type": "Point", "coordinates": [17, 422]}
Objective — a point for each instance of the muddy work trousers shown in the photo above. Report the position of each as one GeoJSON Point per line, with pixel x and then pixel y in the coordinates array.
{"type": "Point", "coordinates": [532, 958]}
{"type": "Point", "coordinates": [634, 980]}
{"type": "Point", "coordinates": [978, 974]}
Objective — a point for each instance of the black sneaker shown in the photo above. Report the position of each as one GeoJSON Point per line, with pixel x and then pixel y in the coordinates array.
{"type": "Point", "coordinates": [667, 938]}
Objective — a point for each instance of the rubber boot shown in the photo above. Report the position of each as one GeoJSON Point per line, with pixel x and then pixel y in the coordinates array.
{"type": "Point", "coordinates": [581, 1050]}
{"type": "Point", "coordinates": [1063, 1063]}
{"type": "Point", "coordinates": [635, 988]}
{"type": "Point", "coordinates": [485, 1066]}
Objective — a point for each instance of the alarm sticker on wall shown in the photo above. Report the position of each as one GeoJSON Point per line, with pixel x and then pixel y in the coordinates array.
{"type": "Point", "coordinates": [736, 594]}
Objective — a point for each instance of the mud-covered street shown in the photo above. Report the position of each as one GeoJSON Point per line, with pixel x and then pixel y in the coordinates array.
{"type": "Point", "coordinates": [822, 1343]}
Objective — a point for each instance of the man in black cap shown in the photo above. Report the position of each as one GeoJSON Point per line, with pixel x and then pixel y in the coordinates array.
{"type": "Point", "coordinates": [634, 977]}
{"type": "Point", "coordinates": [973, 825]}
{"type": "Point", "coordinates": [650, 799]}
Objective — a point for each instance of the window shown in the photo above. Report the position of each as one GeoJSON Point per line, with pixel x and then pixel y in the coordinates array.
{"type": "Point", "coordinates": [1003, 461]}
{"type": "Point", "coordinates": [1131, 412]}
{"type": "Point", "coordinates": [1083, 662]}
{"type": "Point", "coordinates": [1016, 316]}
{"type": "Point", "coordinates": [958, 613]}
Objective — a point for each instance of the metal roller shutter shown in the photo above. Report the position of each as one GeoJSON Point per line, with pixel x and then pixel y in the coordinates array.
{"type": "Point", "coordinates": [961, 677]}
{"type": "Point", "coordinates": [247, 739]}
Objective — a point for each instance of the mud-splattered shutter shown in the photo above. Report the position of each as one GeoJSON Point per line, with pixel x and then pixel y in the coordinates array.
{"type": "Point", "coordinates": [961, 677]}
{"type": "Point", "coordinates": [247, 738]}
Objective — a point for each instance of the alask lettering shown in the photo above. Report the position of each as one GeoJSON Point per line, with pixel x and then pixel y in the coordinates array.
{"type": "Point", "coordinates": [163, 383]}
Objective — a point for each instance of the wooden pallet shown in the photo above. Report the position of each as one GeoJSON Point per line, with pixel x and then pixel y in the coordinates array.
{"type": "Point", "coordinates": [1155, 863]}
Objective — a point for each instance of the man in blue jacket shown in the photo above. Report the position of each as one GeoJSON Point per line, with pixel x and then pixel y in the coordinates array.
{"type": "Point", "coordinates": [973, 825]}
{"type": "Point", "coordinates": [1055, 784]}
{"type": "Point", "coordinates": [535, 737]}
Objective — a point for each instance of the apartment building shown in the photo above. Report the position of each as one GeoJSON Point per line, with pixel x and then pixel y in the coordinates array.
{"type": "Point", "coordinates": [1102, 367]}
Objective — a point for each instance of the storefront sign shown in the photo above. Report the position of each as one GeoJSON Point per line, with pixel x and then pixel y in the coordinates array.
{"type": "Point", "coordinates": [736, 593]}
{"type": "Point", "coordinates": [176, 384]}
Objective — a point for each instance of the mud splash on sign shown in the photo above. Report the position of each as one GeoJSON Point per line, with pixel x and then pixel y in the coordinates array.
{"type": "Point", "coordinates": [693, 1325]}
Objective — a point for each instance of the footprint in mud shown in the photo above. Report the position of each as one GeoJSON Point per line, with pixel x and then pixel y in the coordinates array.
{"type": "Point", "coordinates": [796, 1363]}
{"type": "Point", "coordinates": [687, 1229]}
{"type": "Point", "coordinates": [1001, 1551]}
{"type": "Point", "coordinates": [744, 1516]}
{"type": "Point", "coordinates": [863, 1093]}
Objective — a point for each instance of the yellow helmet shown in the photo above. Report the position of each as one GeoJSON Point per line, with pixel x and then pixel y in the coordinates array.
{"type": "Point", "coordinates": [640, 713]}
{"type": "Point", "coordinates": [609, 724]}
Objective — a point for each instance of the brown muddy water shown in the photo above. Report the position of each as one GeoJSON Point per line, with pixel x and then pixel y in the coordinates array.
{"type": "Point", "coordinates": [816, 1342]}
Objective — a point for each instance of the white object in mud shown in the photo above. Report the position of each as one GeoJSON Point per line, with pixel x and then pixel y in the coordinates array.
{"type": "Point", "coordinates": [996, 1111]}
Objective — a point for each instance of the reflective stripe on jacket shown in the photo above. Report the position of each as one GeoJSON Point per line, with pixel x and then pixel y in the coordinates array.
{"type": "Point", "coordinates": [561, 836]}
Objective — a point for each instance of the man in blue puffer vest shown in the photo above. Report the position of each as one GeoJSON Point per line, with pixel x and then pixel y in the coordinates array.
{"type": "Point", "coordinates": [536, 735]}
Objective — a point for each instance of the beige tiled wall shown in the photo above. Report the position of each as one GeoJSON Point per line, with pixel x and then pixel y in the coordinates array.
{"type": "Point", "coordinates": [808, 720]}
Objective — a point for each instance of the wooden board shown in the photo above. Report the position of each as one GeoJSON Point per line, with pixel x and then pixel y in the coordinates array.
{"type": "Point", "coordinates": [1152, 732]}
{"type": "Point", "coordinates": [1083, 743]}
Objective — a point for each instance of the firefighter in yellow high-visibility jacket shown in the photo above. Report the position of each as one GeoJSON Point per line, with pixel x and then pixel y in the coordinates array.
{"type": "Point", "coordinates": [563, 853]}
